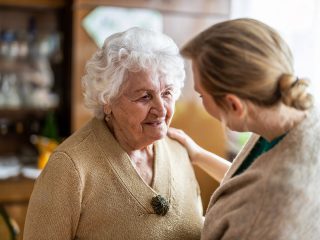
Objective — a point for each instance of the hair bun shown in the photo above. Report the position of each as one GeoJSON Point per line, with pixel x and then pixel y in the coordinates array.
{"type": "Point", "coordinates": [294, 92]}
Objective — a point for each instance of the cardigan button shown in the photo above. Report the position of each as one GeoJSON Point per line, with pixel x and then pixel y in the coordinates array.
{"type": "Point", "coordinates": [160, 205]}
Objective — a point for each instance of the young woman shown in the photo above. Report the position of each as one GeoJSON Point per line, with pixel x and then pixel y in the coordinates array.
{"type": "Point", "coordinates": [244, 74]}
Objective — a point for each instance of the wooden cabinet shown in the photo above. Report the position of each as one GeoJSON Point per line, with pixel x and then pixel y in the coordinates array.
{"type": "Point", "coordinates": [14, 197]}
{"type": "Point", "coordinates": [35, 64]}
{"type": "Point", "coordinates": [34, 3]}
{"type": "Point", "coordinates": [35, 40]}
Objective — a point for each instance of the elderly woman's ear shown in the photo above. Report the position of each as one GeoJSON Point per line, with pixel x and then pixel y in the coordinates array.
{"type": "Point", "coordinates": [107, 110]}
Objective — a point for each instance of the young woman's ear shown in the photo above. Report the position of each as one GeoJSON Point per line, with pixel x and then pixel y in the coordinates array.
{"type": "Point", "coordinates": [235, 104]}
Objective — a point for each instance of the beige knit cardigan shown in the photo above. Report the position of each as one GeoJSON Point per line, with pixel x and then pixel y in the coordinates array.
{"type": "Point", "coordinates": [277, 197]}
{"type": "Point", "coordinates": [90, 190]}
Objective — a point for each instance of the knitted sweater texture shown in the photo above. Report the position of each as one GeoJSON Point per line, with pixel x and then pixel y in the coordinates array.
{"type": "Point", "coordinates": [277, 197]}
{"type": "Point", "coordinates": [90, 190]}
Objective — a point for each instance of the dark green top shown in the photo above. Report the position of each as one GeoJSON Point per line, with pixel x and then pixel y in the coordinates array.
{"type": "Point", "coordinates": [261, 146]}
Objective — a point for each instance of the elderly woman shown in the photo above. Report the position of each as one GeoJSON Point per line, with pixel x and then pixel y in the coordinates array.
{"type": "Point", "coordinates": [120, 177]}
{"type": "Point", "coordinates": [244, 74]}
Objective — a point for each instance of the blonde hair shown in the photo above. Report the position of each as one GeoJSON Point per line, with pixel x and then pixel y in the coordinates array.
{"type": "Point", "coordinates": [249, 59]}
{"type": "Point", "coordinates": [133, 50]}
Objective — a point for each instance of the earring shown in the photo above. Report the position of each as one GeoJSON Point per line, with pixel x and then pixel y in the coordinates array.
{"type": "Point", "coordinates": [107, 117]}
{"type": "Point", "coordinates": [107, 112]}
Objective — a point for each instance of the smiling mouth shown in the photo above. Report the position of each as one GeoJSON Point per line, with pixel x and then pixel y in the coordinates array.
{"type": "Point", "coordinates": [154, 123]}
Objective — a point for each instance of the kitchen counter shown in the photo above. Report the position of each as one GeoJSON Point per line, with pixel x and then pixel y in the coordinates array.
{"type": "Point", "coordinates": [15, 190]}
{"type": "Point", "coordinates": [14, 196]}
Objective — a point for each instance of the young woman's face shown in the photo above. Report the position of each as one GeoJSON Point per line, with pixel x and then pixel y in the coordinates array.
{"type": "Point", "coordinates": [208, 102]}
{"type": "Point", "coordinates": [144, 109]}
{"type": "Point", "coordinates": [230, 118]}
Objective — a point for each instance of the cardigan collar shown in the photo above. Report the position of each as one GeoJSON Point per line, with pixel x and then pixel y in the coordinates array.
{"type": "Point", "coordinates": [122, 165]}
{"type": "Point", "coordinates": [244, 152]}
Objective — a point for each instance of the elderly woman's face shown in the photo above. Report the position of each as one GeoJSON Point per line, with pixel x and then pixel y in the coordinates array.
{"type": "Point", "coordinates": [144, 109]}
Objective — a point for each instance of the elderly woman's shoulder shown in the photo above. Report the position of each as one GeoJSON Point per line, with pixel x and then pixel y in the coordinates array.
{"type": "Point", "coordinates": [174, 143]}
{"type": "Point", "coordinates": [174, 147]}
{"type": "Point", "coordinates": [79, 137]}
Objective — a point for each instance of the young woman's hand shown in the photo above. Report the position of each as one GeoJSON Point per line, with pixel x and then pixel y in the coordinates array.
{"type": "Point", "coordinates": [211, 163]}
{"type": "Point", "coordinates": [192, 147]}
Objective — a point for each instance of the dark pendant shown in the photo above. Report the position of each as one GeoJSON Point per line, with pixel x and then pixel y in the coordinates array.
{"type": "Point", "coordinates": [160, 205]}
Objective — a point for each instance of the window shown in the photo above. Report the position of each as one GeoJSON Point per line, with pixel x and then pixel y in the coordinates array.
{"type": "Point", "coordinates": [298, 23]}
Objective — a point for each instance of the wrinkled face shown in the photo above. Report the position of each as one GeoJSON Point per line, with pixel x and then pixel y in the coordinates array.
{"type": "Point", "coordinates": [143, 111]}
{"type": "Point", "coordinates": [208, 102]}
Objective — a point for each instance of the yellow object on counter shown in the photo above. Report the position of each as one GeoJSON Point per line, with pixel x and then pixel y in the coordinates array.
{"type": "Point", "coordinates": [45, 147]}
{"type": "Point", "coordinates": [43, 159]}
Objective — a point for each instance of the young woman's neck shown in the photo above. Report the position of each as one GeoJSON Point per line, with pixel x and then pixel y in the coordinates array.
{"type": "Point", "coordinates": [273, 122]}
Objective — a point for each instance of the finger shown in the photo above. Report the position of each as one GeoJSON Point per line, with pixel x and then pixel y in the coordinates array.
{"type": "Point", "coordinates": [172, 133]}
{"type": "Point", "coordinates": [176, 131]}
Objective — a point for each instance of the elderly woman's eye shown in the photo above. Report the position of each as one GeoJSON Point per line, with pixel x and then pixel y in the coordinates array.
{"type": "Point", "coordinates": [145, 97]}
{"type": "Point", "coordinates": [167, 94]}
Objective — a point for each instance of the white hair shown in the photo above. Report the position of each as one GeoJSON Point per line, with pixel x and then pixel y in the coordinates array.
{"type": "Point", "coordinates": [133, 50]}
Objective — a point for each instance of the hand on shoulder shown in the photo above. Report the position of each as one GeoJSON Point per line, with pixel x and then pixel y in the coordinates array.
{"type": "Point", "coordinates": [192, 147]}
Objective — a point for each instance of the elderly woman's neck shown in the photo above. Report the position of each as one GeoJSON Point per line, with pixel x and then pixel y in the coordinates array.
{"type": "Point", "coordinates": [142, 156]}
{"type": "Point", "coordinates": [131, 147]}
{"type": "Point", "coordinates": [273, 122]}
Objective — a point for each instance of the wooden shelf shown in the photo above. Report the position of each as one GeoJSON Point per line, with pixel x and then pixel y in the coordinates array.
{"type": "Point", "coordinates": [182, 7]}
{"type": "Point", "coordinates": [15, 190]}
{"type": "Point", "coordinates": [14, 197]}
{"type": "Point", "coordinates": [22, 112]}
{"type": "Point", "coordinates": [15, 65]}
{"type": "Point", "coordinates": [33, 3]}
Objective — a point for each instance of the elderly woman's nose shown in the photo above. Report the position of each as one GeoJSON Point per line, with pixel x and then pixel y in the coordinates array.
{"type": "Point", "coordinates": [158, 107]}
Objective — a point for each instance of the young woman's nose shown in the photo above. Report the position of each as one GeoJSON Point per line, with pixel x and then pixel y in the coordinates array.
{"type": "Point", "coordinates": [158, 107]}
